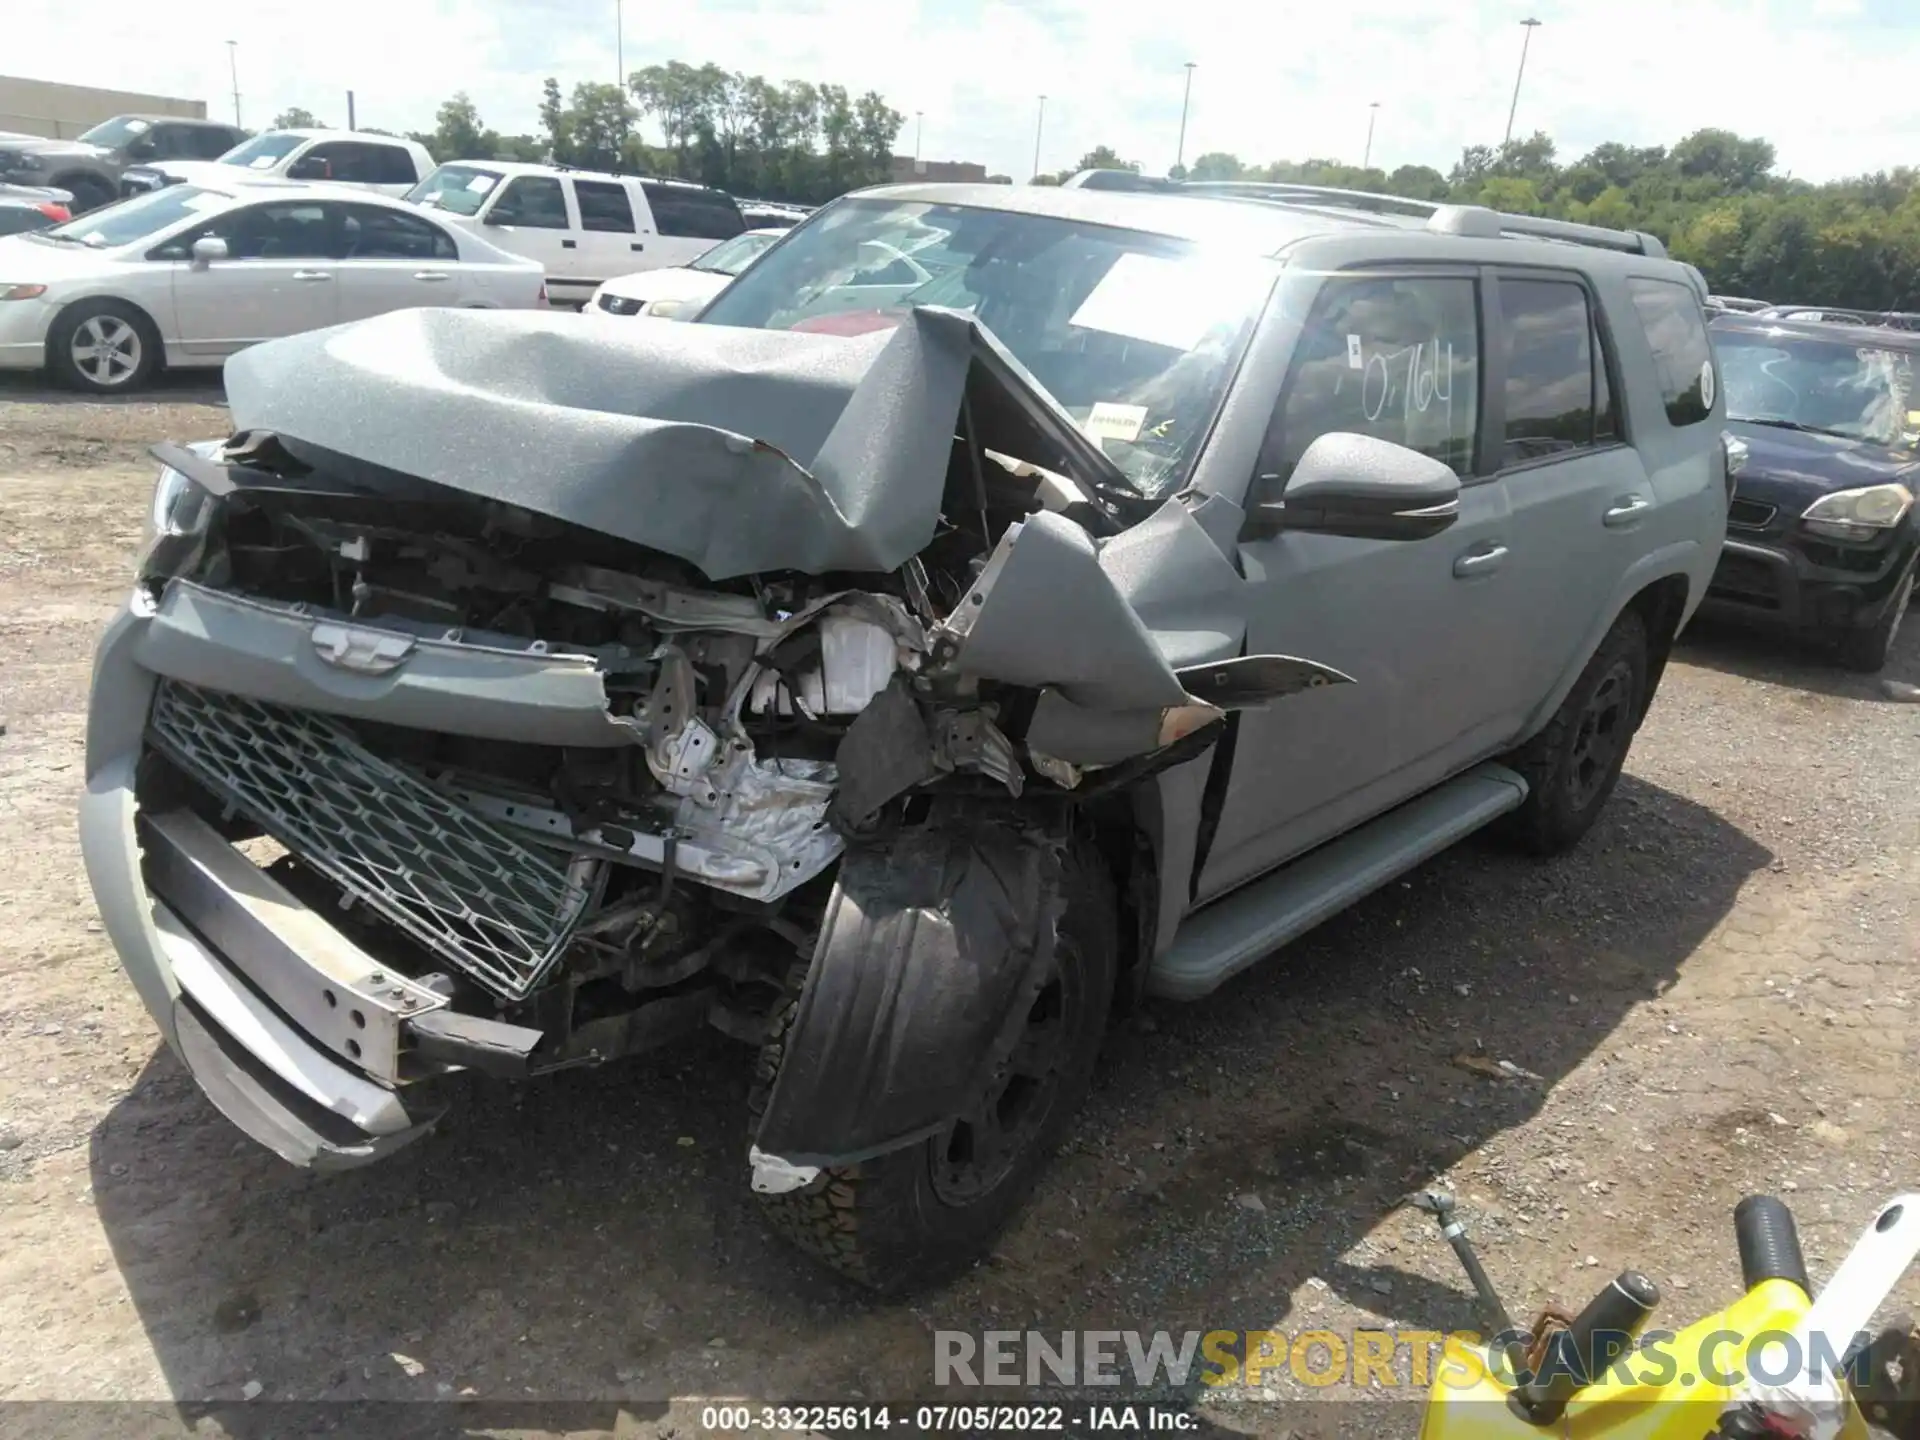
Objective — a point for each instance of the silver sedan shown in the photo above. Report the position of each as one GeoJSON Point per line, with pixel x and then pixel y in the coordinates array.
{"type": "Point", "coordinates": [188, 275]}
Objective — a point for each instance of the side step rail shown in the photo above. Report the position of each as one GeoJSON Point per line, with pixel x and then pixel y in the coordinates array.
{"type": "Point", "coordinates": [1220, 941]}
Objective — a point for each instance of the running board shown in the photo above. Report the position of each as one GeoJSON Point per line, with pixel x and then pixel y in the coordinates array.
{"type": "Point", "coordinates": [1220, 941]}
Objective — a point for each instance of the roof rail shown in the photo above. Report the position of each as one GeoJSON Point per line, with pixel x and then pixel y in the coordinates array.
{"type": "Point", "coordinates": [1443, 219]}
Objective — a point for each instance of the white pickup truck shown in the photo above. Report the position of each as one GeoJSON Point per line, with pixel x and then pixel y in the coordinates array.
{"type": "Point", "coordinates": [385, 163]}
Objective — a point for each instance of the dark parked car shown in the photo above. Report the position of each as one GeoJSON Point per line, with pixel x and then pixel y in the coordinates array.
{"type": "Point", "coordinates": [91, 166]}
{"type": "Point", "coordinates": [1821, 534]}
{"type": "Point", "coordinates": [29, 207]}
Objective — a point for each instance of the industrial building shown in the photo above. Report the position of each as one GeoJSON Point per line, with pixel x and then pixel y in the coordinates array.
{"type": "Point", "coordinates": [46, 107]}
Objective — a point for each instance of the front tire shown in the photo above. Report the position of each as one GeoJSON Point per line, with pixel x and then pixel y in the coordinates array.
{"type": "Point", "coordinates": [920, 1214]}
{"type": "Point", "coordinates": [1866, 651]}
{"type": "Point", "coordinates": [1572, 766]}
{"type": "Point", "coordinates": [105, 347]}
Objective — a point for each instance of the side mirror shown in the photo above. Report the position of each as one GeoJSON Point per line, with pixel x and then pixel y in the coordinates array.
{"type": "Point", "coordinates": [207, 249]}
{"type": "Point", "coordinates": [1367, 489]}
{"type": "Point", "coordinates": [141, 149]}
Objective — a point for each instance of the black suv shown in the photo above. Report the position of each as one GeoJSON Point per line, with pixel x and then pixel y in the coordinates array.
{"type": "Point", "coordinates": [1821, 533]}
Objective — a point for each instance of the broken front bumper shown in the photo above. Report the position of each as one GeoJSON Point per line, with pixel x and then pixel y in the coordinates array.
{"type": "Point", "coordinates": [293, 1032]}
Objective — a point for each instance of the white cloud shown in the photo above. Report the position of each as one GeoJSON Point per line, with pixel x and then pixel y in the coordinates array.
{"type": "Point", "coordinates": [1821, 80]}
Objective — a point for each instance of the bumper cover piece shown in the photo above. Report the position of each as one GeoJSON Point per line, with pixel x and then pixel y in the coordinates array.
{"type": "Point", "coordinates": [918, 987]}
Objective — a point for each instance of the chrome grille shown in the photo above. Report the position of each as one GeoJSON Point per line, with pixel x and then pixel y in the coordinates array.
{"type": "Point", "coordinates": [457, 884]}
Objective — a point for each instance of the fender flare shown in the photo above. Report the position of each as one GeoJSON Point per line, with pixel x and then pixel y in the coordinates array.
{"type": "Point", "coordinates": [1679, 560]}
{"type": "Point", "coordinates": [935, 941]}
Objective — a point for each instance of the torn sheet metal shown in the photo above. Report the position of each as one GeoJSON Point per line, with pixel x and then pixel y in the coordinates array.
{"type": "Point", "coordinates": [920, 983]}
{"type": "Point", "coordinates": [834, 449]}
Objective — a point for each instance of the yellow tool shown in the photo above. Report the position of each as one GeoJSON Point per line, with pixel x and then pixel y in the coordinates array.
{"type": "Point", "coordinates": [1775, 1363]}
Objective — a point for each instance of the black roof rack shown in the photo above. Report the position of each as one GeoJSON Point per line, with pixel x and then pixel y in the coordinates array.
{"type": "Point", "coordinates": [1441, 218]}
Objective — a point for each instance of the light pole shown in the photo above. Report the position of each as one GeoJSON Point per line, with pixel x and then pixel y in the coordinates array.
{"type": "Point", "coordinates": [1527, 27]}
{"type": "Point", "coordinates": [233, 71]}
{"type": "Point", "coordinates": [1373, 114]}
{"type": "Point", "coordinates": [1039, 125]}
{"type": "Point", "coordinates": [1180, 152]}
{"type": "Point", "coordinates": [919, 127]}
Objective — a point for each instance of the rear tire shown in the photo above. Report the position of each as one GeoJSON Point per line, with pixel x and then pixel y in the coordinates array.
{"type": "Point", "coordinates": [1866, 651]}
{"type": "Point", "coordinates": [107, 347]}
{"type": "Point", "coordinates": [1572, 766]}
{"type": "Point", "coordinates": [920, 1214]}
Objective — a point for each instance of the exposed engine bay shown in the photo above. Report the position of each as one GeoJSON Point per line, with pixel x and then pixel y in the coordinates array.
{"type": "Point", "coordinates": [571, 793]}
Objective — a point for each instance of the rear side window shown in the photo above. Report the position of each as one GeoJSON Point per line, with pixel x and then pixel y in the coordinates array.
{"type": "Point", "coordinates": [603, 206]}
{"type": "Point", "coordinates": [207, 142]}
{"type": "Point", "coordinates": [355, 163]}
{"type": "Point", "coordinates": [1554, 384]}
{"type": "Point", "coordinates": [1682, 355]}
{"type": "Point", "coordinates": [373, 233]}
{"type": "Point", "coordinates": [692, 213]}
{"type": "Point", "coordinates": [1394, 358]}
{"type": "Point", "coordinates": [536, 202]}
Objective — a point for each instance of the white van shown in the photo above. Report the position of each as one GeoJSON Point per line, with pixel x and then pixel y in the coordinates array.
{"type": "Point", "coordinates": [387, 164]}
{"type": "Point", "coordinates": [585, 227]}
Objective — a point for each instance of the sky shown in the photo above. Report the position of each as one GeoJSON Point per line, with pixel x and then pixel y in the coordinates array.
{"type": "Point", "coordinates": [1830, 82]}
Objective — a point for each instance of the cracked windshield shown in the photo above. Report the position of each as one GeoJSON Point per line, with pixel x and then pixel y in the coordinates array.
{"type": "Point", "coordinates": [1833, 387]}
{"type": "Point", "coordinates": [1136, 336]}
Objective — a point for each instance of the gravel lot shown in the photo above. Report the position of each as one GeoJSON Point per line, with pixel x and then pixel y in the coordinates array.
{"type": "Point", "coordinates": [1717, 991]}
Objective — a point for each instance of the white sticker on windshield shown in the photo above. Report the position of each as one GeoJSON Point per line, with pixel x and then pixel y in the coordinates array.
{"type": "Point", "coordinates": [262, 162]}
{"type": "Point", "coordinates": [138, 127]}
{"type": "Point", "coordinates": [481, 184]}
{"type": "Point", "coordinates": [1356, 353]}
{"type": "Point", "coordinates": [1163, 302]}
{"type": "Point", "coordinates": [1111, 421]}
{"type": "Point", "coordinates": [1706, 383]}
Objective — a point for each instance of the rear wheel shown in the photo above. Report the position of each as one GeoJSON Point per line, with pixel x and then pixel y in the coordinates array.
{"type": "Point", "coordinates": [105, 346]}
{"type": "Point", "coordinates": [1572, 766]}
{"type": "Point", "coordinates": [924, 1212]}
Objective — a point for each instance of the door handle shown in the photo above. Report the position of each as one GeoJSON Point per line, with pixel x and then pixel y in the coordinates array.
{"type": "Point", "coordinates": [1480, 562]}
{"type": "Point", "coordinates": [568, 245]}
{"type": "Point", "coordinates": [313, 275]}
{"type": "Point", "coordinates": [431, 275]}
{"type": "Point", "coordinates": [1626, 510]}
{"type": "Point", "coordinates": [636, 246]}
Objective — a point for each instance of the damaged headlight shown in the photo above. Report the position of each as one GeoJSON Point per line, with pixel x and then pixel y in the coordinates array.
{"type": "Point", "coordinates": [1858, 514]}
{"type": "Point", "coordinates": [177, 522]}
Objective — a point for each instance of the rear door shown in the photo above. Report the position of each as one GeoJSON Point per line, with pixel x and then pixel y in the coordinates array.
{"type": "Point", "coordinates": [367, 163]}
{"type": "Point", "coordinates": [1394, 354]}
{"type": "Point", "coordinates": [1579, 493]}
{"type": "Point", "coordinates": [531, 215]}
{"type": "Point", "coordinates": [610, 240]}
{"type": "Point", "coordinates": [689, 222]}
{"type": "Point", "coordinates": [280, 277]}
{"type": "Point", "coordinates": [392, 260]}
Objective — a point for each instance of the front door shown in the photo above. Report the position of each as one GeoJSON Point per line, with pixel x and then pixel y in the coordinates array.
{"type": "Point", "coordinates": [1417, 624]}
{"type": "Point", "coordinates": [530, 217]}
{"type": "Point", "coordinates": [280, 276]}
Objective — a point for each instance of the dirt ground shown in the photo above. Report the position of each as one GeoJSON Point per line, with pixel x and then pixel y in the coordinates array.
{"type": "Point", "coordinates": [1717, 991]}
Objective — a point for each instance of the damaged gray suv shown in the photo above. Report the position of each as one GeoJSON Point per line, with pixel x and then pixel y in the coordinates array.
{"type": "Point", "coordinates": [1000, 604]}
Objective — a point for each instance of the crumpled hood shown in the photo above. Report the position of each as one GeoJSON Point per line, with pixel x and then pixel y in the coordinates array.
{"type": "Point", "coordinates": [1791, 468]}
{"type": "Point", "coordinates": [736, 450]}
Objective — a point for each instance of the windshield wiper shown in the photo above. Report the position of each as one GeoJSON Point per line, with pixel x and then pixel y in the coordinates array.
{"type": "Point", "coordinates": [53, 239]}
{"type": "Point", "coordinates": [1797, 426]}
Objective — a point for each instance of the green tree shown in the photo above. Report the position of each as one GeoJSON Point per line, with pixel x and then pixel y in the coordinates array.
{"type": "Point", "coordinates": [458, 133]}
{"type": "Point", "coordinates": [598, 121]}
{"type": "Point", "coordinates": [295, 118]}
{"type": "Point", "coordinates": [1103, 157]}
{"type": "Point", "coordinates": [1217, 165]}
{"type": "Point", "coordinates": [555, 121]}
